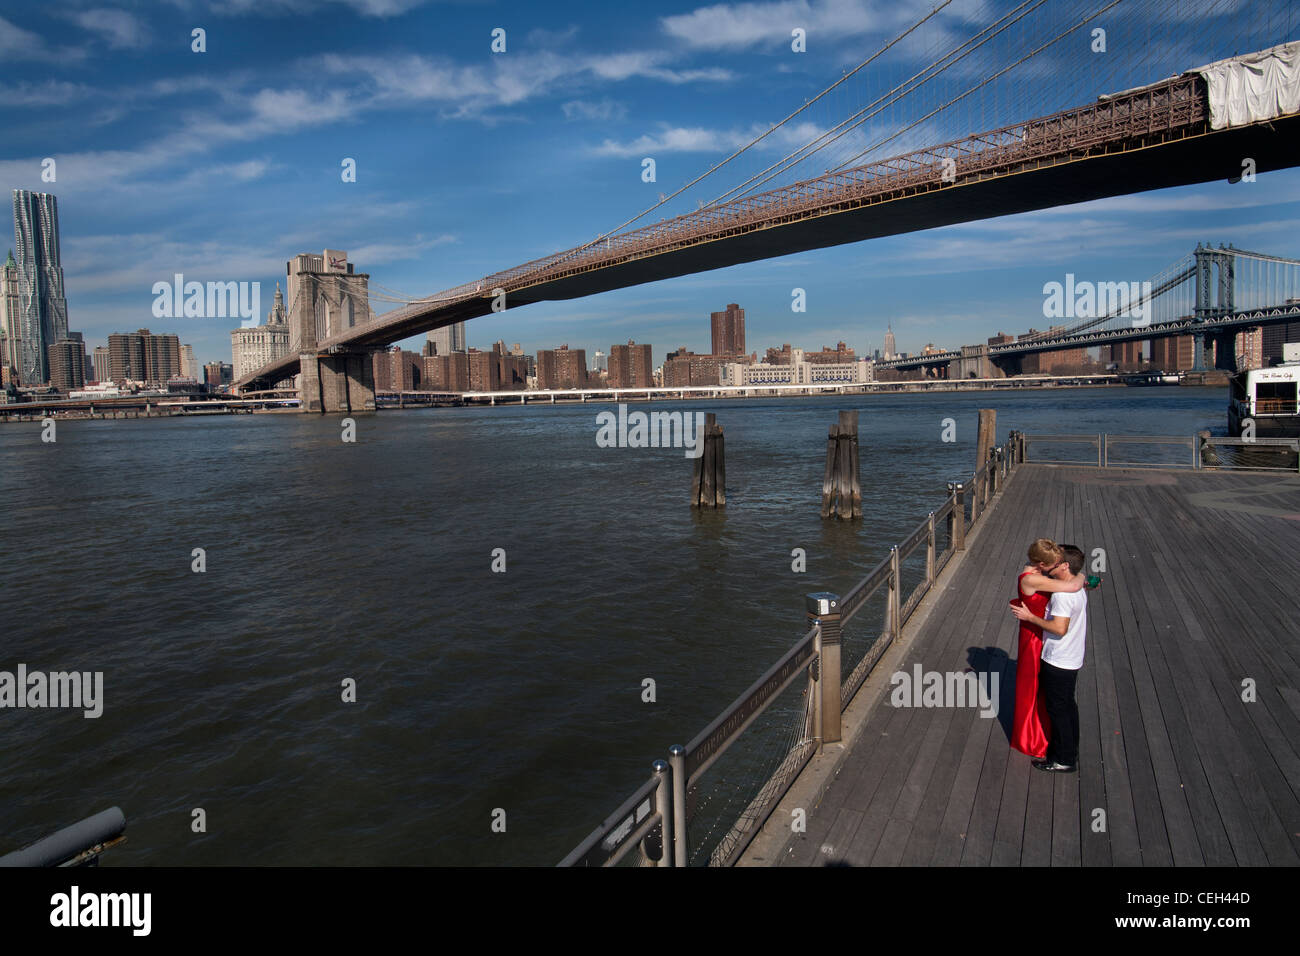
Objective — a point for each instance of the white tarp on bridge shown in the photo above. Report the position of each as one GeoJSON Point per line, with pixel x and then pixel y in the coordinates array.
{"type": "Point", "coordinates": [1257, 86]}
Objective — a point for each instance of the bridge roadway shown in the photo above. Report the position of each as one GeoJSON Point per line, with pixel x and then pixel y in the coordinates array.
{"type": "Point", "coordinates": [1198, 598]}
{"type": "Point", "coordinates": [1151, 138]}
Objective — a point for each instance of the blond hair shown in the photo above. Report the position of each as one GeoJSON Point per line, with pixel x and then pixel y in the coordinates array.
{"type": "Point", "coordinates": [1045, 551]}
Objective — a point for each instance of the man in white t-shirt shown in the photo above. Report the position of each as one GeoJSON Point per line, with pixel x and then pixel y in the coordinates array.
{"type": "Point", "coordinates": [1064, 634]}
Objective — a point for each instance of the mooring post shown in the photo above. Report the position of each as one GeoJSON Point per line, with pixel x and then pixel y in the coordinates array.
{"type": "Point", "coordinates": [824, 611]}
{"type": "Point", "coordinates": [709, 473]}
{"type": "Point", "coordinates": [851, 488]}
{"type": "Point", "coordinates": [988, 429]}
{"type": "Point", "coordinates": [828, 482]}
{"type": "Point", "coordinates": [719, 464]}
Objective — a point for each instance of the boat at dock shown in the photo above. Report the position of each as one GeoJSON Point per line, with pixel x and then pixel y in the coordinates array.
{"type": "Point", "coordinates": [1152, 378]}
{"type": "Point", "coordinates": [1267, 397]}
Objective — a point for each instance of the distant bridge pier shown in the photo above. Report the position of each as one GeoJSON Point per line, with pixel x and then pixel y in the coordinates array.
{"type": "Point", "coordinates": [337, 382]}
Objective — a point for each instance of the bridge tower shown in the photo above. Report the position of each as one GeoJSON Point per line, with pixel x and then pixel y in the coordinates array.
{"type": "Point", "coordinates": [326, 297]}
{"type": "Point", "coordinates": [1210, 306]}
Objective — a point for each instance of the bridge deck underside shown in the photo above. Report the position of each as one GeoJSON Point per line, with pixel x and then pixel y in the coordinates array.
{"type": "Point", "coordinates": [1210, 156]}
{"type": "Point", "coordinates": [1187, 773]}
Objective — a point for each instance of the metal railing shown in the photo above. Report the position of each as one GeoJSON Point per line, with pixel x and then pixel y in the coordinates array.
{"type": "Point", "coordinates": [77, 845]}
{"type": "Point", "coordinates": [655, 816]}
{"type": "Point", "coordinates": [1201, 452]}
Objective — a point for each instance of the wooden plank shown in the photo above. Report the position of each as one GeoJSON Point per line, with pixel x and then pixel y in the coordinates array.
{"type": "Point", "coordinates": [1186, 772]}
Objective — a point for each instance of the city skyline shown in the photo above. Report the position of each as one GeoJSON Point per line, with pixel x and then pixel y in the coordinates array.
{"type": "Point", "coordinates": [250, 176]}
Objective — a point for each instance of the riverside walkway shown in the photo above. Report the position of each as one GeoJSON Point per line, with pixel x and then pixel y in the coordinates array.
{"type": "Point", "coordinates": [1189, 698]}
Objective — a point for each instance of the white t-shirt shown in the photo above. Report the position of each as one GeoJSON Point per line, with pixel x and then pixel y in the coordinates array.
{"type": "Point", "coordinates": [1066, 651]}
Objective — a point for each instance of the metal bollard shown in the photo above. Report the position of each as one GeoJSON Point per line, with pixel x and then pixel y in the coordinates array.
{"type": "Point", "coordinates": [824, 611]}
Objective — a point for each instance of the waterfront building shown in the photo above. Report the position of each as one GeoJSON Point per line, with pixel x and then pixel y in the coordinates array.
{"type": "Point", "coordinates": [683, 369]}
{"type": "Point", "coordinates": [1250, 348]}
{"type": "Point", "coordinates": [512, 368]}
{"type": "Point", "coordinates": [630, 366]}
{"type": "Point", "coordinates": [216, 374]}
{"type": "Point", "coordinates": [448, 339]}
{"type": "Point", "coordinates": [562, 368]}
{"type": "Point", "coordinates": [446, 373]}
{"type": "Point", "coordinates": [190, 365]}
{"type": "Point", "coordinates": [251, 348]}
{"type": "Point", "coordinates": [43, 308]}
{"type": "Point", "coordinates": [1176, 353]}
{"type": "Point", "coordinates": [799, 372]}
{"type": "Point", "coordinates": [728, 331]}
{"type": "Point", "coordinates": [10, 319]}
{"type": "Point", "coordinates": [141, 356]}
{"type": "Point", "coordinates": [840, 355]}
{"type": "Point", "coordinates": [484, 371]}
{"type": "Point", "coordinates": [101, 364]}
{"type": "Point", "coordinates": [67, 364]}
{"type": "Point", "coordinates": [1125, 356]}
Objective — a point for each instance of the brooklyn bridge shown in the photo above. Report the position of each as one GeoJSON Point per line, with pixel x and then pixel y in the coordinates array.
{"type": "Point", "coordinates": [1230, 119]}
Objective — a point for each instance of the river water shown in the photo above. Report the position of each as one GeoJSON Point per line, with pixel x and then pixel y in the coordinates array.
{"type": "Point", "coordinates": [475, 691]}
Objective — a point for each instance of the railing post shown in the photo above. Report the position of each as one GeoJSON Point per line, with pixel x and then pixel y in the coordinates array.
{"type": "Point", "coordinates": [1100, 444]}
{"type": "Point", "coordinates": [895, 601]}
{"type": "Point", "coordinates": [957, 490]}
{"type": "Point", "coordinates": [929, 552]}
{"type": "Point", "coordinates": [677, 764]}
{"type": "Point", "coordinates": [824, 612]}
{"type": "Point", "coordinates": [664, 807]}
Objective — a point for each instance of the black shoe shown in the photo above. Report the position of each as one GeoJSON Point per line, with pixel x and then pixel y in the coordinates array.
{"type": "Point", "coordinates": [1051, 766]}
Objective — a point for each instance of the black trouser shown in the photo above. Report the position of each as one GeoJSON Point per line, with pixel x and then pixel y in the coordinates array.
{"type": "Point", "coordinates": [1057, 687]}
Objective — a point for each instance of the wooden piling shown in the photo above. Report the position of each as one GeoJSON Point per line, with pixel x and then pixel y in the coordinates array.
{"type": "Point", "coordinates": [829, 482]}
{"type": "Point", "coordinates": [841, 487]}
{"type": "Point", "coordinates": [988, 430]}
{"type": "Point", "coordinates": [709, 480]}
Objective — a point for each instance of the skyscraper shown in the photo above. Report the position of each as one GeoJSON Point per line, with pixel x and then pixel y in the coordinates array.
{"type": "Point", "coordinates": [10, 326]}
{"type": "Point", "coordinates": [43, 308]}
{"type": "Point", "coordinates": [258, 345]}
{"type": "Point", "coordinates": [449, 338]}
{"type": "Point", "coordinates": [728, 329]}
{"type": "Point", "coordinates": [891, 349]}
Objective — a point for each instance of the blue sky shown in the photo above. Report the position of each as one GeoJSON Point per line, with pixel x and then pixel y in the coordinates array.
{"type": "Point", "coordinates": [224, 164]}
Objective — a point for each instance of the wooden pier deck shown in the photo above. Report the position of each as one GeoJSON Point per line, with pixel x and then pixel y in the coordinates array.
{"type": "Point", "coordinates": [1201, 595]}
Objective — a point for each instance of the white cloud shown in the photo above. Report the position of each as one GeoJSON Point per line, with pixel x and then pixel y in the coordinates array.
{"type": "Point", "coordinates": [604, 110]}
{"type": "Point", "coordinates": [48, 93]}
{"type": "Point", "coordinates": [121, 30]}
{"type": "Point", "coordinates": [19, 44]}
{"type": "Point", "coordinates": [504, 80]}
{"type": "Point", "coordinates": [743, 25]}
